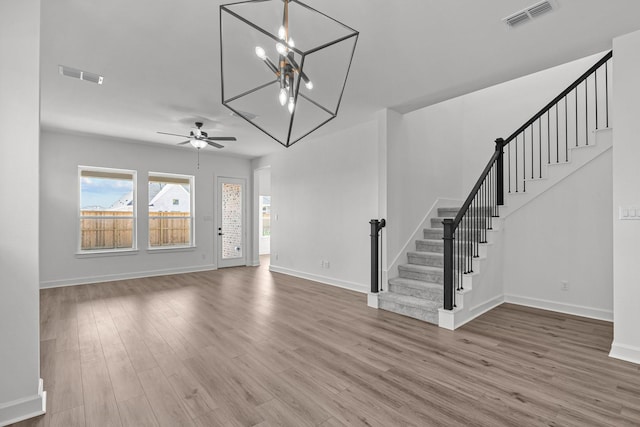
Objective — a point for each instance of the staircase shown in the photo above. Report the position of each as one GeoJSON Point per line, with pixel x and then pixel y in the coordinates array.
{"type": "Point", "coordinates": [453, 275]}
{"type": "Point", "coordinates": [417, 291]}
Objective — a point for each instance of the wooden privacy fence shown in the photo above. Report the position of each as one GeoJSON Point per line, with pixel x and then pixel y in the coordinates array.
{"type": "Point", "coordinates": [114, 229]}
{"type": "Point", "coordinates": [169, 228]}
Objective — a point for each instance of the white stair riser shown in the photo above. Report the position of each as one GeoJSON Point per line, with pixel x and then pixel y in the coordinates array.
{"type": "Point", "coordinates": [431, 277]}
{"type": "Point", "coordinates": [431, 294]}
{"type": "Point", "coordinates": [425, 259]}
{"type": "Point", "coordinates": [410, 311]}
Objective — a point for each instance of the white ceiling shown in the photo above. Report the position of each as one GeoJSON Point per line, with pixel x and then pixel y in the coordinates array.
{"type": "Point", "coordinates": [161, 60]}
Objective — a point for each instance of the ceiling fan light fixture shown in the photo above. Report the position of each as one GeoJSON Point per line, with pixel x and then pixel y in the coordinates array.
{"type": "Point", "coordinates": [198, 143]}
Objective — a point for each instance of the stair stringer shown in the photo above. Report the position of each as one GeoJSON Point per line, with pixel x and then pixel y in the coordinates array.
{"type": "Point", "coordinates": [483, 289]}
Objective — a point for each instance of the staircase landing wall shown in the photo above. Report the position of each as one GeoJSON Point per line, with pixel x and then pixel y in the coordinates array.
{"type": "Point", "coordinates": [564, 235]}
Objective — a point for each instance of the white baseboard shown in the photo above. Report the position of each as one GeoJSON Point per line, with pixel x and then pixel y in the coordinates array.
{"type": "Point", "coordinates": [482, 308]}
{"type": "Point", "coordinates": [625, 352]}
{"type": "Point", "coordinates": [577, 310]}
{"type": "Point", "coordinates": [453, 319]}
{"type": "Point", "coordinates": [23, 409]}
{"type": "Point", "coordinates": [124, 276]}
{"type": "Point", "coordinates": [372, 300]}
{"type": "Point", "coordinates": [322, 279]}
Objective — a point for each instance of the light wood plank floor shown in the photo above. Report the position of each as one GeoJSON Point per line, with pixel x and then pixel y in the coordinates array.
{"type": "Point", "coordinates": [243, 347]}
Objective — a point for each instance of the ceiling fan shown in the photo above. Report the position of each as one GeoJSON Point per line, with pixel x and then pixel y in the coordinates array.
{"type": "Point", "coordinates": [200, 139]}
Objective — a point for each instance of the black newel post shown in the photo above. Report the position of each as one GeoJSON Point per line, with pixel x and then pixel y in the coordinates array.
{"type": "Point", "coordinates": [500, 172]}
{"type": "Point", "coordinates": [376, 226]}
{"type": "Point", "coordinates": [448, 263]}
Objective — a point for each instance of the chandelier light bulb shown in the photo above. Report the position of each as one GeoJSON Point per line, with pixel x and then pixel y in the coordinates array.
{"type": "Point", "coordinates": [283, 96]}
{"type": "Point", "coordinates": [291, 43]}
{"type": "Point", "coordinates": [261, 53]}
{"type": "Point", "coordinates": [281, 32]}
{"type": "Point", "coordinates": [282, 50]}
{"type": "Point", "coordinates": [291, 105]}
{"type": "Point", "coordinates": [309, 84]}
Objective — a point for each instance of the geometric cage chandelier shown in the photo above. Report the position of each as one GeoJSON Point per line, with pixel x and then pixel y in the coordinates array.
{"type": "Point", "coordinates": [284, 66]}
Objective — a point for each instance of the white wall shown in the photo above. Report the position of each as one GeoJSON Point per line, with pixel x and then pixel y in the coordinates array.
{"type": "Point", "coordinates": [324, 192]}
{"type": "Point", "coordinates": [423, 158]}
{"type": "Point", "coordinates": [19, 139]}
{"type": "Point", "coordinates": [439, 151]}
{"type": "Point", "coordinates": [626, 193]}
{"type": "Point", "coordinates": [565, 234]}
{"type": "Point", "coordinates": [61, 154]}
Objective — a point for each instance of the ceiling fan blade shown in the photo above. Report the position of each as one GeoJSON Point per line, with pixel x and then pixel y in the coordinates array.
{"type": "Point", "coordinates": [173, 134]}
{"type": "Point", "coordinates": [184, 142]}
{"type": "Point", "coordinates": [221, 138]}
{"type": "Point", "coordinates": [213, 144]}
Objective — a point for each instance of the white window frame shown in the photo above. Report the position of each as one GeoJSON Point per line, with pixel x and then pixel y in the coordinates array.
{"type": "Point", "coordinates": [192, 203]}
{"type": "Point", "coordinates": [134, 212]}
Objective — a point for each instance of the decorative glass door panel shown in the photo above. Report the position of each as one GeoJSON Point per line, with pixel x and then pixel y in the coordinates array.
{"type": "Point", "coordinates": [231, 222]}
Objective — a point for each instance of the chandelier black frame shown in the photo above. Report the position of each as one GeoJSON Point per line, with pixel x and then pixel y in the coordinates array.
{"type": "Point", "coordinates": [287, 72]}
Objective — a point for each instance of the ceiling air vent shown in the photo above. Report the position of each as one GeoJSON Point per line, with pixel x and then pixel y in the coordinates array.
{"type": "Point", "coordinates": [518, 18]}
{"type": "Point", "coordinates": [528, 14]}
{"type": "Point", "coordinates": [79, 74]}
{"type": "Point", "coordinates": [539, 9]}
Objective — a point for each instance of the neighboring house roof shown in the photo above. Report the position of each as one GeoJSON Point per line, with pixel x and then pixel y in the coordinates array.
{"type": "Point", "coordinates": [125, 203]}
{"type": "Point", "coordinates": [165, 200]}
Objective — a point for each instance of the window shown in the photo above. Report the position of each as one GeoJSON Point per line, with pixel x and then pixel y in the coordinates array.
{"type": "Point", "coordinates": [170, 210]}
{"type": "Point", "coordinates": [107, 209]}
{"type": "Point", "coordinates": [265, 215]}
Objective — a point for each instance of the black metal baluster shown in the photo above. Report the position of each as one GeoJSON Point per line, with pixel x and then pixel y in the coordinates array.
{"type": "Point", "coordinates": [531, 151]}
{"type": "Point", "coordinates": [557, 137]}
{"type": "Point", "coordinates": [485, 208]}
{"type": "Point", "coordinates": [576, 92]}
{"type": "Point", "coordinates": [586, 112]}
{"type": "Point", "coordinates": [548, 138]}
{"type": "Point", "coordinates": [474, 228]}
{"type": "Point", "coordinates": [606, 89]}
{"type": "Point", "coordinates": [595, 79]}
{"type": "Point", "coordinates": [509, 165]}
{"type": "Point", "coordinates": [457, 243]}
{"type": "Point", "coordinates": [566, 132]}
{"type": "Point", "coordinates": [524, 164]}
{"type": "Point", "coordinates": [540, 145]}
{"type": "Point", "coordinates": [516, 163]}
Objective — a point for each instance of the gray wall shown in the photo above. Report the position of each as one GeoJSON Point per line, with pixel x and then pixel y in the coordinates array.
{"type": "Point", "coordinates": [60, 156]}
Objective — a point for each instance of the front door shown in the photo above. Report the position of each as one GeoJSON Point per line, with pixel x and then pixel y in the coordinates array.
{"type": "Point", "coordinates": [231, 222]}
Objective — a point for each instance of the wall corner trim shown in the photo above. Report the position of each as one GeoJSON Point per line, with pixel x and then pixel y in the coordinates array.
{"type": "Point", "coordinates": [25, 408]}
{"type": "Point", "coordinates": [625, 352]}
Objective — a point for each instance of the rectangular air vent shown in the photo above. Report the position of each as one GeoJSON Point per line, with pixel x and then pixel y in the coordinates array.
{"type": "Point", "coordinates": [79, 74]}
{"type": "Point", "coordinates": [539, 8]}
{"type": "Point", "coordinates": [528, 14]}
{"type": "Point", "coordinates": [518, 18]}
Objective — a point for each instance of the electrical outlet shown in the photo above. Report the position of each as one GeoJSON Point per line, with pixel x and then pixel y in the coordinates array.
{"type": "Point", "coordinates": [564, 285]}
{"type": "Point", "coordinates": [321, 263]}
{"type": "Point", "coordinates": [276, 256]}
{"type": "Point", "coordinates": [326, 264]}
{"type": "Point", "coordinates": [204, 256]}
